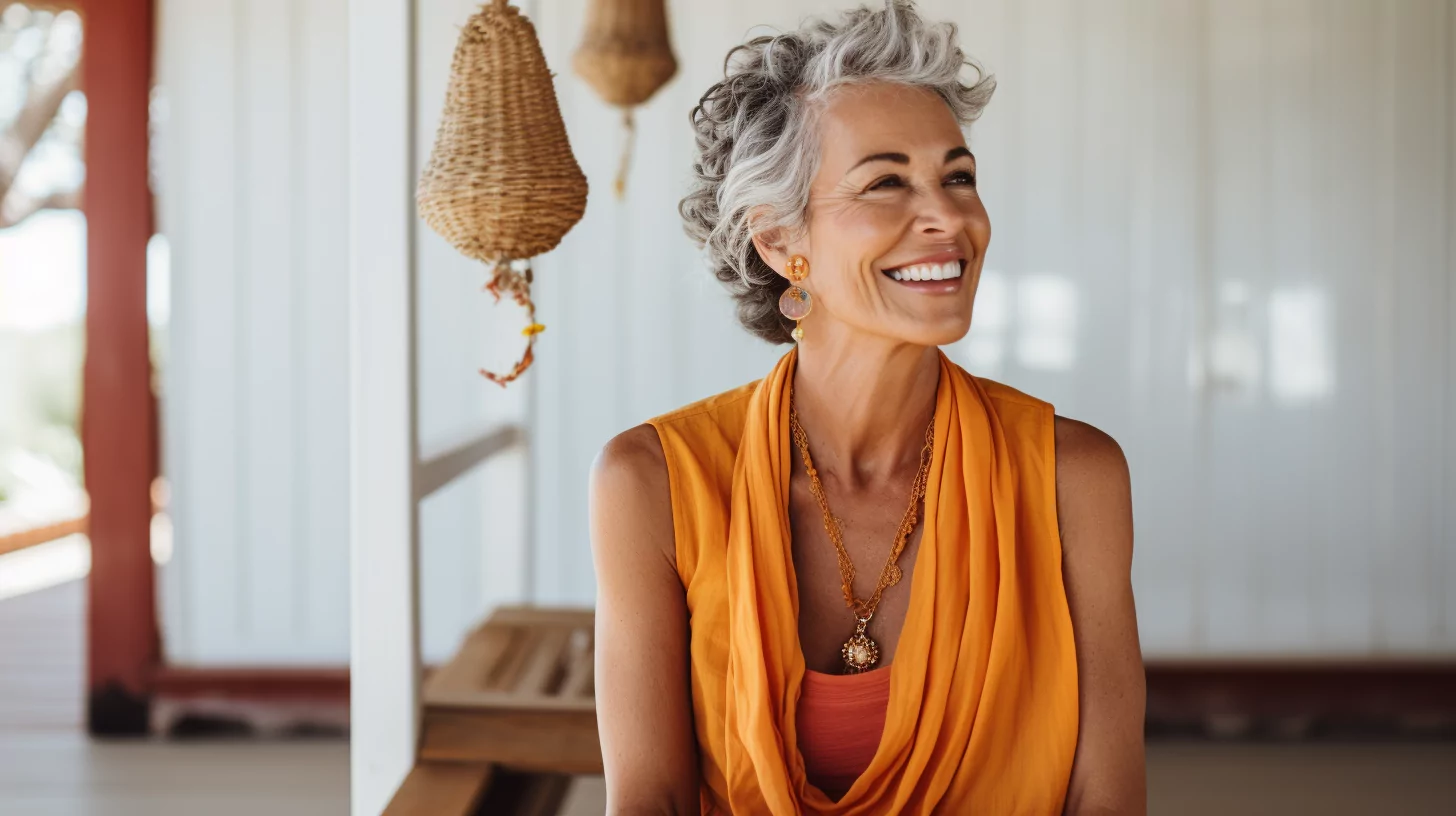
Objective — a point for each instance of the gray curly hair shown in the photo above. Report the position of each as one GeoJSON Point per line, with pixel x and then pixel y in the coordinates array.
{"type": "Point", "coordinates": [757, 138]}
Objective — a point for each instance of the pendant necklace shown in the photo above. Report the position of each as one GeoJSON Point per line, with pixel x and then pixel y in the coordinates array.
{"type": "Point", "coordinates": [860, 653]}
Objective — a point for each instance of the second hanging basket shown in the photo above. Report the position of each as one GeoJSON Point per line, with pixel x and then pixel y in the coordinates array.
{"type": "Point", "coordinates": [625, 56]}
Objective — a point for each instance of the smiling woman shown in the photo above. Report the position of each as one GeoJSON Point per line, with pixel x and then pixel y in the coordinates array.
{"type": "Point", "coordinates": [758, 649]}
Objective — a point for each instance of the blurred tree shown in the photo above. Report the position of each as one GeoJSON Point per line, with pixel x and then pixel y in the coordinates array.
{"type": "Point", "coordinates": [41, 113]}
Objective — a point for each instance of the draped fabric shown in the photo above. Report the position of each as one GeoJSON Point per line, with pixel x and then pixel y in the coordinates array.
{"type": "Point", "coordinates": [982, 715]}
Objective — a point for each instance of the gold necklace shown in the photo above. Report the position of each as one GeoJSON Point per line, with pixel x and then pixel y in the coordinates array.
{"type": "Point", "coordinates": [860, 652]}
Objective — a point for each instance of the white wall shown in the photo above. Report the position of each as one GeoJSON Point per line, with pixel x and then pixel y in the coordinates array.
{"type": "Point", "coordinates": [1222, 232]}
{"type": "Point", "coordinates": [254, 204]}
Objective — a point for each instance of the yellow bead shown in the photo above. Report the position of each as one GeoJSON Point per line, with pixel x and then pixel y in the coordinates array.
{"type": "Point", "coordinates": [798, 334]}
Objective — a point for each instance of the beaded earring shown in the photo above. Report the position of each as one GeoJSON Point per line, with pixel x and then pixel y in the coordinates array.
{"type": "Point", "coordinates": [795, 303]}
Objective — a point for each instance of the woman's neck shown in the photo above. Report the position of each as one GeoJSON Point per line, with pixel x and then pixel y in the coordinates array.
{"type": "Point", "coordinates": [865, 408]}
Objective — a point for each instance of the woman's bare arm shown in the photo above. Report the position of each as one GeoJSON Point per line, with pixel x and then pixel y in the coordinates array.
{"type": "Point", "coordinates": [1094, 512]}
{"type": "Point", "coordinates": [644, 705]}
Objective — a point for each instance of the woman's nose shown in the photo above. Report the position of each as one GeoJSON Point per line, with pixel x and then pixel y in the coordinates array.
{"type": "Point", "coordinates": [938, 212]}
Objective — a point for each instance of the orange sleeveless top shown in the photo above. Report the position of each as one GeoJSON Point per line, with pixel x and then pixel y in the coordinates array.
{"type": "Point", "coordinates": [982, 702]}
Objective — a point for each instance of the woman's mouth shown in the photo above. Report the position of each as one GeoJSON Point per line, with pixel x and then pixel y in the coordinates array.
{"type": "Point", "coordinates": [930, 278]}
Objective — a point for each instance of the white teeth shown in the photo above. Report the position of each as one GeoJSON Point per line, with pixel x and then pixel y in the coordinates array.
{"type": "Point", "coordinates": [928, 272]}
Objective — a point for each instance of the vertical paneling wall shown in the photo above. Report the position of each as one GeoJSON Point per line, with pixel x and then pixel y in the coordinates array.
{"type": "Point", "coordinates": [254, 199]}
{"type": "Point", "coordinates": [253, 202]}
{"type": "Point", "coordinates": [1223, 232]}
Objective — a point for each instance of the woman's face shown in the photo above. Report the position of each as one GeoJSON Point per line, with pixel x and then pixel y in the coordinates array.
{"type": "Point", "coordinates": [896, 230]}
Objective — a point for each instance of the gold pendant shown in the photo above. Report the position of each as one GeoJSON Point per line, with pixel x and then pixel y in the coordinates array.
{"type": "Point", "coordinates": [859, 652]}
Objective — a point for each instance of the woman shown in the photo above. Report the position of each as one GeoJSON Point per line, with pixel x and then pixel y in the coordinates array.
{"type": "Point", "coordinates": [757, 650]}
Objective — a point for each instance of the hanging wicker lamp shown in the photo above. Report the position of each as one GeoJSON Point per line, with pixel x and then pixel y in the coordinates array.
{"type": "Point", "coordinates": [626, 57]}
{"type": "Point", "coordinates": [502, 184]}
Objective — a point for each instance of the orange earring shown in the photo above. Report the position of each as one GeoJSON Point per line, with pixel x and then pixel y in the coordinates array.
{"type": "Point", "coordinates": [795, 303]}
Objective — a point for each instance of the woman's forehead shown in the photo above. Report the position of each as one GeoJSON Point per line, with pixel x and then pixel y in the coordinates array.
{"type": "Point", "coordinates": [862, 120]}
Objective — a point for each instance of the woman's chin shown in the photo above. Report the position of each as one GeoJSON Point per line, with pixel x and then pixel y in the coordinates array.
{"type": "Point", "coordinates": [942, 324]}
{"type": "Point", "coordinates": [934, 330]}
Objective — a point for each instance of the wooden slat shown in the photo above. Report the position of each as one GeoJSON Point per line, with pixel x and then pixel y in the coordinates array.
{"type": "Point", "coordinates": [468, 671]}
{"type": "Point", "coordinates": [544, 662]}
{"type": "Point", "coordinates": [512, 662]}
{"type": "Point", "coordinates": [436, 472]}
{"type": "Point", "coordinates": [563, 742]}
{"type": "Point", "coordinates": [440, 789]}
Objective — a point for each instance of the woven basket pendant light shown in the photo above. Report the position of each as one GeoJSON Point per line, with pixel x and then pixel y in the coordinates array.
{"type": "Point", "coordinates": [502, 184]}
{"type": "Point", "coordinates": [626, 57]}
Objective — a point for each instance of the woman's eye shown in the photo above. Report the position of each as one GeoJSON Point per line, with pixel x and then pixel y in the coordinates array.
{"type": "Point", "coordinates": [962, 177]}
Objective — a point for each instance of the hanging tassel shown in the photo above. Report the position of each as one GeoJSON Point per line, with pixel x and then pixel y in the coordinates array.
{"type": "Point", "coordinates": [514, 278]}
{"type": "Point", "coordinates": [625, 165]}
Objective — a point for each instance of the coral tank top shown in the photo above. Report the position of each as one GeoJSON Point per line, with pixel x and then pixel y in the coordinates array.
{"type": "Point", "coordinates": [841, 718]}
{"type": "Point", "coordinates": [980, 713]}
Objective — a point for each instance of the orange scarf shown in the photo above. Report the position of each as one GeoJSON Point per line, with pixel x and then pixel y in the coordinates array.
{"type": "Point", "coordinates": [983, 697]}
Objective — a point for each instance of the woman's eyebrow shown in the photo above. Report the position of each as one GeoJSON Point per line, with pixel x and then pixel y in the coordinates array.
{"type": "Point", "coordinates": [900, 158]}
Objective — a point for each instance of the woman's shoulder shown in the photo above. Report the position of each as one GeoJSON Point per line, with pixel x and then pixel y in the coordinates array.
{"type": "Point", "coordinates": [633, 477]}
{"type": "Point", "coordinates": [629, 496]}
{"type": "Point", "coordinates": [632, 457]}
{"type": "Point", "coordinates": [1094, 490]}
{"type": "Point", "coordinates": [1083, 447]}
{"type": "Point", "coordinates": [634, 464]}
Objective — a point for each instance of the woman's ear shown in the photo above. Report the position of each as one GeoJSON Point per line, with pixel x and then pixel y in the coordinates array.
{"type": "Point", "coordinates": [771, 242]}
{"type": "Point", "coordinates": [770, 249]}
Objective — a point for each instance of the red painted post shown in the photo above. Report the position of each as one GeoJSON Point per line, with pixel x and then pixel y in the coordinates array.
{"type": "Point", "coordinates": [118, 435]}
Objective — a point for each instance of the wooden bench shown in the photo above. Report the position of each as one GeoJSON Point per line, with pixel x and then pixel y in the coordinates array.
{"type": "Point", "coordinates": [509, 720]}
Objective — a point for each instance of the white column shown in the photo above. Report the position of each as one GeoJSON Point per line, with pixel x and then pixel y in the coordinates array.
{"type": "Point", "coordinates": [384, 535]}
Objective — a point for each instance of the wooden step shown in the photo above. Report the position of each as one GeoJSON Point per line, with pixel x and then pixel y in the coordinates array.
{"type": "Point", "coordinates": [520, 693]}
